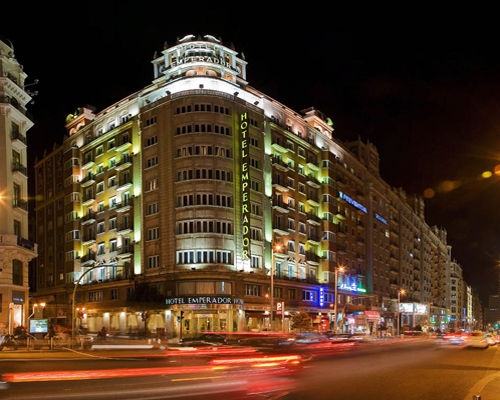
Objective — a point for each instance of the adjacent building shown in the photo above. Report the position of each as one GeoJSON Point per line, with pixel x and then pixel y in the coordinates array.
{"type": "Point", "coordinates": [16, 250]}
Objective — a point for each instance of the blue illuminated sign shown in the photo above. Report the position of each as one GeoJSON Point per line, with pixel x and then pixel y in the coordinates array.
{"type": "Point", "coordinates": [352, 201]}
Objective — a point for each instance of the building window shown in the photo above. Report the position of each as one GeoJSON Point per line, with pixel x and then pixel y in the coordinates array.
{"type": "Point", "coordinates": [253, 290]}
{"type": "Point", "coordinates": [308, 295]}
{"type": "Point", "coordinates": [112, 182]}
{"type": "Point", "coordinates": [151, 162]}
{"type": "Point", "coordinates": [151, 141]}
{"type": "Point", "coordinates": [17, 272]}
{"type": "Point", "coordinates": [152, 184]}
{"type": "Point", "coordinates": [101, 250]}
{"type": "Point", "coordinates": [115, 294]}
{"type": "Point", "coordinates": [95, 296]}
{"type": "Point", "coordinates": [153, 261]}
{"type": "Point", "coordinates": [152, 209]}
{"type": "Point", "coordinates": [256, 261]}
{"type": "Point", "coordinates": [153, 233]}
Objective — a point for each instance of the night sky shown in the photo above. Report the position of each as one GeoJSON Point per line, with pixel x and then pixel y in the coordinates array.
{"type": "Point", "coordinates": [422, 85]}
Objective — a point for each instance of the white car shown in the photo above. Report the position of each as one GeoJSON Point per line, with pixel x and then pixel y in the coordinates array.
{"type": "Point", "coordinates": [490, 339]}
{"type": "Point", "coordinates": [476, 340]}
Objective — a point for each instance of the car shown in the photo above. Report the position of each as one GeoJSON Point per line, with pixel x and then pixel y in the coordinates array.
{"type": "Point", "coordinates": [343, 337]}
{"type": "Point", "coordinates": [476, 340]}
{"type": "Point", "coordinates": [455, 338]}
{"type": "Point", "coordinates": [496, 337]}
{"type": "Point", "coordinates": [205, 339]}
{"type": "Point", "coordinates": [310, 337]}
{"type": "Point", "coordinates": [490, 339]}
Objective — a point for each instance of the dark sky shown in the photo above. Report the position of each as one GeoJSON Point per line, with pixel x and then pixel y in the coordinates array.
{"type": "Point", "coordinates": [423, 85]}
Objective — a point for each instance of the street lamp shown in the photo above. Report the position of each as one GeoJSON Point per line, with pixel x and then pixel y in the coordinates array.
{"type": "Point", "coordinates": [73, 314]}
{"type": "Point", "coordinates": [337, 270]}
{"type": "Point", "coordinates": [277, 248]}
{"type": "Point", "coordinates": [400, 292]}
{"type": "Point", "coordinates": [35, 307]}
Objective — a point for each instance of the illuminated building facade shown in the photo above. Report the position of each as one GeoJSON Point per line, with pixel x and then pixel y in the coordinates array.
{"type": "Point", "coordinates": [173, 203]}
{"type": "Point", "coordinates": [16, 250]}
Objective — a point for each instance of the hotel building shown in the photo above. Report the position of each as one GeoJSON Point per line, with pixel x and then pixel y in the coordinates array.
{"type": "Point", "coordinates": [201, 204]}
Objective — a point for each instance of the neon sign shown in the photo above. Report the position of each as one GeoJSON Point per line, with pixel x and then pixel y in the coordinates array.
{"type": "Point", "coordinates": [351, 201]}
{"type": "Point", "coordinates": [352, 288]}
{"type": "Point", "coordinates": [321, 296]}
{"type": "Point", "coordinates": [245, 187]}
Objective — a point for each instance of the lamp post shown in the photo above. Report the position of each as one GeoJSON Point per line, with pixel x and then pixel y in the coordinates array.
{"type": "Point", "coordinates": [337, 270]}
{"type": "Point", "coordinates": [271, 296]}
{"type": "Point", "coordinates": [400, 292]}
{"type": "Point", "coordinates": [74, 295]}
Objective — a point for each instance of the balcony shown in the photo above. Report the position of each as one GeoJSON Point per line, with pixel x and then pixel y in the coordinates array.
{"type": "Point", "coordinates": [17, 137]}
{"type": "Point", "coordinates": [125, 162]}
{"type": "Point", "coordinates": [89, 239]}
{"type": "Point", "coordinates": [22, 204]}
{"type": "Point", "coordinates": [123, 229]}
{"type": "Point", "coordinates": [280, 164]}
{"type": "Point", "coordinates": [88, 199]}
{"type": "Point", "coordinates": [125, 251]}
{"type": "Point", "coordinates": [312, 257]}
{"type": "Point", "coordinates": [26, 243]}
{"type": "Point", "coordinates": [313, 219]}
{"type": "Point", "coordinates": [281, 230]}
{"type": "Point", "coordinates": [124, 206]}
{"type": "Point", "coordinates": [88, 180]}
{"type": "Point", "coordinates": [280, 206]}
{"type": "Point", "coordinates": [88, 258]}
{"type": "Point", "coordinates": [123, 143]}
{"type": "Point", "coordinates": [124, 184]}
{"type": "Point", "coordinates": [312, 181]}
{"type": "Point", "coordinates": [18, 167]}
{"type": "Point", "coordinates": [89, 218]}
{"type": "Point", "coordinates": [313, 239]}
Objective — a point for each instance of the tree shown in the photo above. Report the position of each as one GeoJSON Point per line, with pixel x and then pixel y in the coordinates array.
{"type": "Point", "coordinates": [301, 321]}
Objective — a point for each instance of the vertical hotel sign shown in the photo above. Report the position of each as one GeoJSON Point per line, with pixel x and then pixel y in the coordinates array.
{"type": "Point", "coordinates": [245, 187]}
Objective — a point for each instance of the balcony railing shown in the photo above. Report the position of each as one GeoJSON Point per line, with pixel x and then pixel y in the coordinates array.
{"type": "Point", "coordinates": [18, 167]}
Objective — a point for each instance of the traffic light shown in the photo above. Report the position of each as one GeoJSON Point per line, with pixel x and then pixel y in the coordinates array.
{"type": "Point", "coordinates": [180, 317]}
